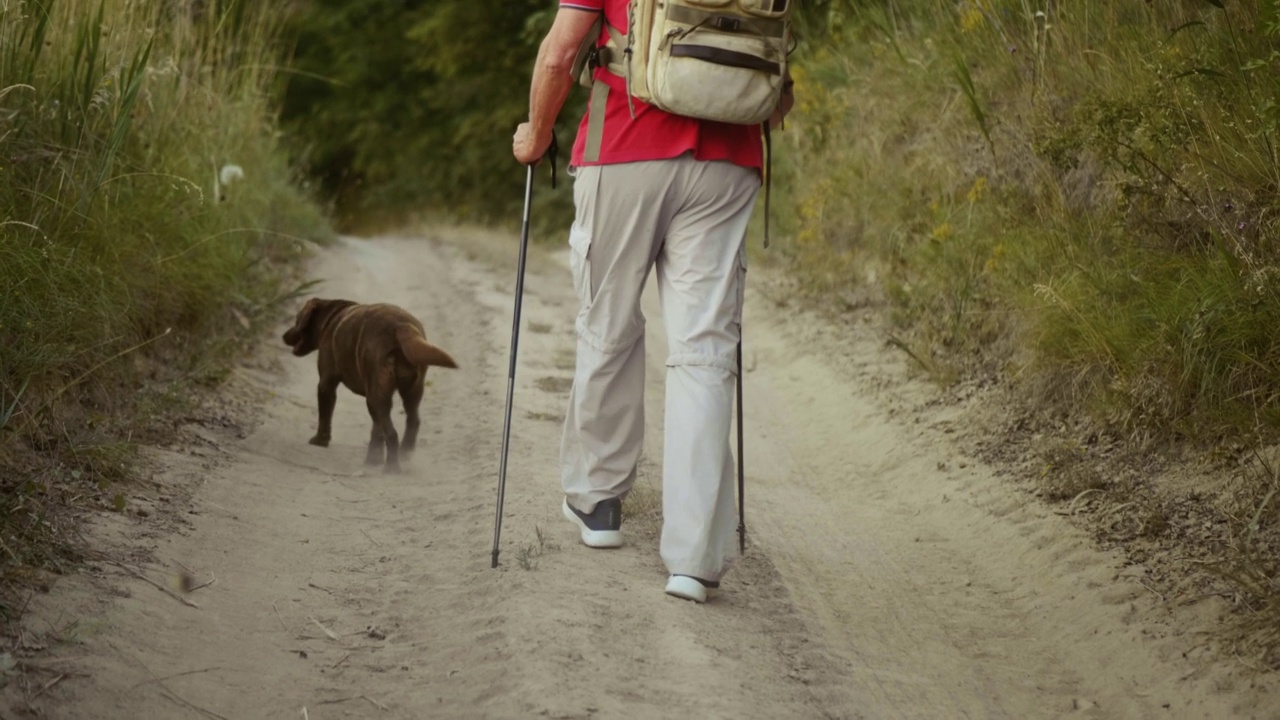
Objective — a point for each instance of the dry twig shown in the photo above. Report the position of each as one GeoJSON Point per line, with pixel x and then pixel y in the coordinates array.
{"type": "Point", "coordinates": [326, 630]}
{"type": "Point", "coordinates": [176, 698]}
{"type": "Point", "coordinates": [273, 607]}
{"type": "Point", "coordinates": [175, 675]}
{"type": "Point", "coordinates": [375, 703]}
{"type": "Point", "coordinates": [212, 579]}
{"type": "Point", "coordinates": [47, 685]}
{"type": "Point", "coordinates": [138, 574]}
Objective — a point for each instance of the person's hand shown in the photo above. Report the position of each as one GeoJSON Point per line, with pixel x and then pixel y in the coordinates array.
{"type": "Point", "coordinates": [527, 146]}
{"type": "Point", "coordinates": [785, 104]}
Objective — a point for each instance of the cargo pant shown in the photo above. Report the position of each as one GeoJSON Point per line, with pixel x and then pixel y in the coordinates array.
{"type": "Point", "coordinates": [687, 219]}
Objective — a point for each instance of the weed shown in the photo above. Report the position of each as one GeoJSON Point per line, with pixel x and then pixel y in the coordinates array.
{"type": "Point", "coordinates": [119, 268]}
{"type": "Point", "coordinates": [527, 554]}
{"type": "Point", "coordinates": [526, 557]}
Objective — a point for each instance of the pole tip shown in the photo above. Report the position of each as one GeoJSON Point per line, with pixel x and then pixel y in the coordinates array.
{"type": "Point", "coordinates": [494, 562]}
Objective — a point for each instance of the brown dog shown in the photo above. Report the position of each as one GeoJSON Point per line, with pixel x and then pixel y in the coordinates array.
{"type": "Point", "coordinates": [374, 350]}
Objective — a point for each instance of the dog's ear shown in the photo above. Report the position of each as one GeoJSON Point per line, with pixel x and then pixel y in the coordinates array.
{"type": "Point", "coordinates": [297, 337]}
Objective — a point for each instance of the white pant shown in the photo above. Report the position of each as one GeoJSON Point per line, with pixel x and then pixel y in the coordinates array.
{"type": "Point", "coordinates": [689, 220]}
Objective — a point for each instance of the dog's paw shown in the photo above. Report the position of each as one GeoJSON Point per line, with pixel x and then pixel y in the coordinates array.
{"type": "Point", "coordinates": [391, 469]}
{"type": "Point", "coordinates": [373, 459]}
{"type": "Point", "coordinates": [319, 441]}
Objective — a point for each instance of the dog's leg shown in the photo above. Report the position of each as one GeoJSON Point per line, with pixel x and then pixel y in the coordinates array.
{"type": "Point", "coordinates": [411, 396]}
{"type": "Point", "coordinates": [377, 444]}
{"type": "Point", "coordinates": [380, 412]}
{"type": "Point", "coordinates": [327, 393]}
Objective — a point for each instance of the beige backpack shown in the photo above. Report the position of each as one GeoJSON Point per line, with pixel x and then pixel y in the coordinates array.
{"type": "Point", "coordinates": [721, 60]}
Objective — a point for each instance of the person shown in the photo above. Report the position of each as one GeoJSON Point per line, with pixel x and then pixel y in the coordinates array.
{"type": "Point", "coordinates": [659, 191]}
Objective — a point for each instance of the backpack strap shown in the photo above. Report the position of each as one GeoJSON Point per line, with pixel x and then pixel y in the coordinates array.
{"type": "Point", "coordinates": [768, 179]}
{"type": "Point", "coordinates": [607, 57]}
{"type": "Point", "coordinates": [595, 121]}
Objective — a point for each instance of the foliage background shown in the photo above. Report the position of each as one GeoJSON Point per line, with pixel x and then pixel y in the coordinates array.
{"type": "Point", "coordinates": [408, 108]}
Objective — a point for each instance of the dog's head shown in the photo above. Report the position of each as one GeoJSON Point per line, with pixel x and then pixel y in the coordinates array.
{"type": "Point", "coordinates": [304, 336]}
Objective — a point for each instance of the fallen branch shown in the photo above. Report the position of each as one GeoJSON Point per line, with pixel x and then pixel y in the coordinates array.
{"type": "Point", "coordinates": [326, 630]}
{"type": "Point", "coordinates": [175, 675]}
{"type": "Point", "coordinates": [47, 685]}
{"type": "Point", "coordinates": [273, 607]}
{"type": "Point", "coordinates": [42, 664]}
{"type": "Point", "coordinates": [1071, 506]}
{"type": "Point", "coordinates": [213, 579]}
{"type": "Point", "coordinates": [375, 703]}
{"type": "Point", "coordinates": [1153, 590]}
{"type": "Point", "coordinates": [1115, 509]}
{"type": "Point", "coordinates": [153, 583]}
{"type": "Point", "coordinates": [176, 698]}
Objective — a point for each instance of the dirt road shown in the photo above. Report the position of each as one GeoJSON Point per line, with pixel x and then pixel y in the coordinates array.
{"type": "Point", "coordinates": [888, 576]}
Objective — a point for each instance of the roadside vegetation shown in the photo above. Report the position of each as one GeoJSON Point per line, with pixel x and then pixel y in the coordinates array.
{"type": "Point", "coordinates": [1073, 202]}
{"type": "Point", "coordinates": [147, 221]}
{"type": "Point", "coordinates": [1078, 201]}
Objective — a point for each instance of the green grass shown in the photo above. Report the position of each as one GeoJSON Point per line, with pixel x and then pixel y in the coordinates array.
{"type": "Point", "coordinates": [128, 270]}
{"type": "Point", "coordinates": [1090, 192]}
{"type": "Point", "coordinates": [1080, 199]}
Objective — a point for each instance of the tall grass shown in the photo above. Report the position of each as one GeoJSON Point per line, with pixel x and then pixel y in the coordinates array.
{"type": "Point", "coordinates": [130, 260]}
{"type": "Point", "coordinates": [1085, 188]}
{"type": "Point", "coordinates": [1082, 197]}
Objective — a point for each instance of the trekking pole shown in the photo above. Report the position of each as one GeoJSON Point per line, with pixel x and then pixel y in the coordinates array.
{"type": "Point", "coordinates": [515, 342]}
{"type": "Point", "coordinates": [742, 485]}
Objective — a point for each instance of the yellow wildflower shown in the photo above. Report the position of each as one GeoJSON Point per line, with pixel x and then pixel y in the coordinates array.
{"type": "Point", "coordinates": [970, 18]}
{"type": "Point", "coordinates": [978, 190]}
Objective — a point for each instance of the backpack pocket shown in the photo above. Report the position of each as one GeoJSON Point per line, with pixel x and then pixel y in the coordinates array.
{"type": "Point", "coordinates": [765, 8]}
{"type": "Point", "coordinates": [723, 66]}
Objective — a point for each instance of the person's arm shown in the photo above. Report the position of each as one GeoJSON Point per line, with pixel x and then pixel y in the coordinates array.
{"type": "Point", "coordinates": [551, 82]}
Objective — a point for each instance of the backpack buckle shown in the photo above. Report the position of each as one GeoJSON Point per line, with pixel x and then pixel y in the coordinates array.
{"type": "Point", "coordinates": [726, 23]}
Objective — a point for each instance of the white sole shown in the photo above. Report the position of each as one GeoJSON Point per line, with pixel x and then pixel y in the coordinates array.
{"type": "Point", "coordinates": [593, 538]}
{"type": "Point", "coordinates": [686, 588]}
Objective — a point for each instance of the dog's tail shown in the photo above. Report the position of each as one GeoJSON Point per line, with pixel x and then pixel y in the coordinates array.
{"type": "Point", "coordinates": [420, 352]}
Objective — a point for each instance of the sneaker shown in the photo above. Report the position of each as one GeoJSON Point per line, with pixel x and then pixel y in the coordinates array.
{"type": "Point", "coordinates": [687, 587]}
{"type": "Point", "coordinates": [601, 528]}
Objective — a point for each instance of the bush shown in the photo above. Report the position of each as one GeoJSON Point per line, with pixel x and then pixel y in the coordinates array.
{"type": "Point", "coordinates": [145, 211]}
{"type": "Point", "coordinates": [1086, 190]}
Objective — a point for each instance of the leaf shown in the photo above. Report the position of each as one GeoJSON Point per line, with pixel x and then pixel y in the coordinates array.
{"type": "Point", "coordinates": [118, 502]}
{"type": "Point", "coordinates": [1185, 26]}
{"type": "Point", "coordinates": [965, 80]}
{"type": "Point", "coordinates": [7, 413]}
{"type": "Point", "coordinates": [1209, 72]}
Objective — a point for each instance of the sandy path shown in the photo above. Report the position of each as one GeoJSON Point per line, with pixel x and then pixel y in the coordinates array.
{"type": "Point", "coordinates": [878, 584]}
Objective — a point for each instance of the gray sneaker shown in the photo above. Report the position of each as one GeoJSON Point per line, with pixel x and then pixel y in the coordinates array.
{"type": "Point", "coordinates": [602, 527]}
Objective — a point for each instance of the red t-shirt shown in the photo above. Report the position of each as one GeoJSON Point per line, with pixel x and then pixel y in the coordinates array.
{"type": "Point", "coordinates": [655, 134]}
